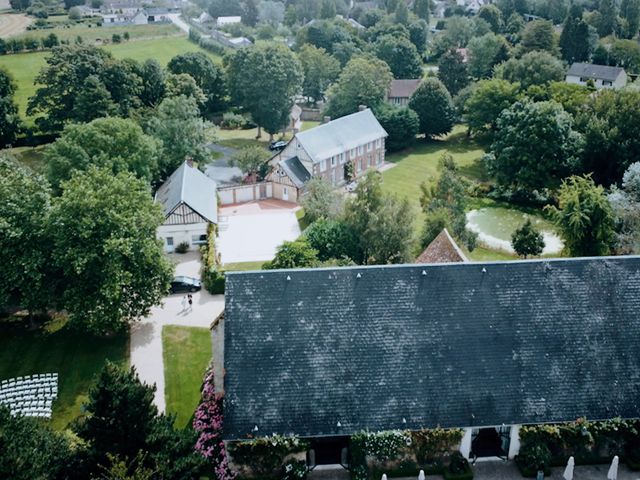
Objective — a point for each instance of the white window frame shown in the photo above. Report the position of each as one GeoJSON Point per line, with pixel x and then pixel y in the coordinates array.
{"type": "Point", "coordinates": [378, 143]}
{"type": "Point", "coordinates": [352, 154]}
{"type": "Point", "coordinates": [323, 165]}
{"type": "Point", "coordinates": [333, 161]}
{"type": "Point", "coordinates": [360, 149]}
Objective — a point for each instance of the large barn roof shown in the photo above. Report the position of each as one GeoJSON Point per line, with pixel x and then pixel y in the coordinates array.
{"type": "Point", "coordinates": [335, 351]}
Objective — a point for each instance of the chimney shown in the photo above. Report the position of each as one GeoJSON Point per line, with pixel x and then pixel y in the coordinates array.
{"type": "Point", "coordinates": [362, 108]}
{"type": "Point", "coordinates": [326, 120]}
{"type": "Point", "coordinates": [189, 160]}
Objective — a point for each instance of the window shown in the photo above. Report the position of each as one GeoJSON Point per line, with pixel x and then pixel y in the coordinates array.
{"type": "Point", "coordinates": [342, 157]}
{"type": "Point", "coordinates": [352, 154]}
{"type": "Point", "coordinates": [583, 80]}
{"type": "Point", "coordinates": [169, 241]}
{"type": "Point", "coordinates": [333, 161]}
{"type": "Point", "coordinates": [368, 160]}
{"type": "Point", "coordinates": [606, 83]}
{"type": "Point", "coordinates": [362, 164]}
{"type": "Point", "coordinates": [379, 159]}
{"type": "Point", "coordinates": [198, 239]}
{"type": "Point", "coordinates": [323, 165]}
{"type": "Point", "coordinates": [333, 176]}
{"type": "Point", "coordinates": [369, 147]}
{"type": "Point", "coordinates": [378, 143]}
{"type": "Point", "coordinates": [360, 149]}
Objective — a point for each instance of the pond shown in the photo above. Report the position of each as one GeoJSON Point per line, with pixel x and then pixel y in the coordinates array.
{"type": "Point", "coordinates": [495, 225]}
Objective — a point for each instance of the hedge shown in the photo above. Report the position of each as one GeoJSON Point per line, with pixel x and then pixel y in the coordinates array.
{"type": "Point", "coordinates": [213, 277]}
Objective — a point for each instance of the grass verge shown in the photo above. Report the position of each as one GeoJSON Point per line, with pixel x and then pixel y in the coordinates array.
{"type": "Point", "coordinates": [187, 353]}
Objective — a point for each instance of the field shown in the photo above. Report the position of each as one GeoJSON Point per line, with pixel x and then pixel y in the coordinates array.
{"type": "Point", "coordinates": [25, 66]}
{"type": "Point", "coordinates": [77, 357]}
{"type": "Point", "coordinates": [186, 352]}
{"type": "Point", "coordinates": [12, 24]}
{"type": "Point", "coordinates": [103, 34]}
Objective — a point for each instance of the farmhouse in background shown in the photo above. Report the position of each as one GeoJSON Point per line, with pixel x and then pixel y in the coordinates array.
{"type": "Point", "coordinates": [602, 76]}
{"type": "Point", "coordinates": [189, 201]}
{"type": "Point", "coordinates": [401, 90]}
{"type": "Point", "coordinates": [336, 151]}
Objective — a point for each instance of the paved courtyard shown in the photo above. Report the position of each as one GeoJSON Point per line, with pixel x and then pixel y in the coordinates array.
{"type": "Point", "coordinates": [251, 232]}
{"type": "Point", "coordinates": [146, 337]}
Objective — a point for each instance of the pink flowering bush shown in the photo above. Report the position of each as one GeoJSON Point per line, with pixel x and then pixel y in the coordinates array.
{"type": "Point", "coordinates": [208, 423]}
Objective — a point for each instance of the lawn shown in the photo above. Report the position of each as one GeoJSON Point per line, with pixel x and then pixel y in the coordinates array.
{"type": "Point", "coordinates": [187, 353]}
{"type": "Point", "coordinates": [25, 66]}
{"type": "Point", "coordinates": [242, 266]}
{"type": "Point", "coordinates": [103, 34]}
{"type": "Point", "coordinates": [77, 357]}
{"type": "Point", "coordinates": [33, 157]}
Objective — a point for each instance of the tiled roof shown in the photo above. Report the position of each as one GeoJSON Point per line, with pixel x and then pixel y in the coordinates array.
{"type": "Point", "coordinates": [190, 186]}
{"type": "Point", "coordinates": [443, 249]}
{"type": "Point", "coordinates": [341, 135]}
{"type": "Point", "coordinates": [600, 72]}
{"type": "Point", "coordinates": [296, 171]}
{"type": "Point", "coordinates": [403, 88]}
{"type": "Point", "coordinates": [334, 351]}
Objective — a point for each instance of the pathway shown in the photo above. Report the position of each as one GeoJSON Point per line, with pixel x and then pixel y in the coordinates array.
{"type": "Point", "coordinates": [178, 22]}
{"type": "Point", "coordinates": [146, 337]}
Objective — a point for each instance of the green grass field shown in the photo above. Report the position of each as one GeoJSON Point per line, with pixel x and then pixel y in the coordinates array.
{"type": "Point", "coordinates": [25, 66]}
{"type": "Point", "coordinates": [242, 266]}
{"type": "Point", "coordinates": [103, 34]}
{"type": "Point", "coordinates": [77, 357]}
{"type": "Point", "coordinates": [187, 353]}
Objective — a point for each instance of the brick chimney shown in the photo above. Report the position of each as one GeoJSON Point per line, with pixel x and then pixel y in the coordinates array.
{"type": "Point", "coordinates": [362, 108]}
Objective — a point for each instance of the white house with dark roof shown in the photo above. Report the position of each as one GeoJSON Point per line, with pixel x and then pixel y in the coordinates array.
{"type": "Point", "coordinates": [189, 201]}
{"type": "Point", "coordinates": [602, 76]}
{"type": "Point", "coordinates": [344, 147]}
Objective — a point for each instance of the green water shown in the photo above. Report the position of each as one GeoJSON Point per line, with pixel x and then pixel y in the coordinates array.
{"type": "Point", "coordinates": [495, 226]}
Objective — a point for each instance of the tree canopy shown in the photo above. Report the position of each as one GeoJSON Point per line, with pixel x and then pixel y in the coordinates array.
{"type": "Point", "coordinates": [527, 241]}
{"type": "Point", "coordinates": [10, 123]}
{"type": "Point", "coordinates": [320, 70]}
{"type": "Point", "coordinates": [208, 76]}
{"type": "Point", "coordinates": [400, 54]}
{"type": "Point", "coordinates": [434, 106]}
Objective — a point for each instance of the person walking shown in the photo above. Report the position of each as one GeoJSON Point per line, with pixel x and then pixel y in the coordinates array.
{"type": "Point", "coordinates": [184, 303]}
{"type": "Point", "coordinates": [190, 299]}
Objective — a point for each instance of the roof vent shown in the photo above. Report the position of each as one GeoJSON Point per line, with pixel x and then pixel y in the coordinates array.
{"type": "Point", "coordinates": [484, 270]}
{"type": "Point", "coordinates": [404, 420]}
{"type": "Point", "coordinates": [424, 273]}
{"type": "Point", "coordinates": [338, 424]}
{"type": "Point", "coordinates": [358, 276]}
{"type": "Point", "coordinates": [255, 429]}
{"type": "Point", "coordinates": [362, 108]}
{"type": "Point", "coordinates": [288, 278]}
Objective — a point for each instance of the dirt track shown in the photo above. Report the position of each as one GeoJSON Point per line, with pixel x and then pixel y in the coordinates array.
{"type": "Point", "coordinates": [12, 24]}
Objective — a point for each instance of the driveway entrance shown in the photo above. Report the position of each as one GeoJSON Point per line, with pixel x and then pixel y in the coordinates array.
{"type": "Point", "coordinates": [252, 232]}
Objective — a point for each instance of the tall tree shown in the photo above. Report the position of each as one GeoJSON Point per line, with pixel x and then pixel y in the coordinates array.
{"type": "Point", "coordinates": [630, 13]}
{"type": "Point", "coordinates": [208, 76]}
{"type": "Point", "coordinates": [93, 101]}
{"type": "Point", "coordinates": [453, 72]}
{"type": "Point", "coordinates": [609, 125]}
{"type": "Point", "coordinates": [402, 13]}
{"type": "Point", "coordinates": [181, 131]}
{"type": "Point", "coordinates": [538, 35]}
{"type": "Point", "coordinates": [418, 35]}
{"type": "Point", "coordinates": [492, 15]}
{"type": "Point", "coordinates": [63, 79]}
{"type": "Point", "coordinates": [434, 106]}
{"type": "Point", "coordinates": [153, 82]}
{"type": "Point", "coordinates": [9, 118]}
{"type": "Point", "coordinates": [401, 124]}
{"type": "Point", "coordinates": [486, 102]}
{"type": "Point", "coordinates": [485, 52]}
{"type": "Point", "coordinates": [625, 202]}
{"type": "Point", "coordinates": [250, 160]}
{"type": "Point", "coordinates": [584, 217]}
{"type": "Point", "coordinates": [250, 13]}
{"type": "Point", "coordinates": [321, 201]}
{"type": "Point", "coordinates": [270, 100]}
{"type": "Point", "coordinates": [112, 268]}
{"type": "Point", "coordinates": [527, 241]}
{"type": "Point", "coordinates": [534, 68]}
{"type": "Point", "coordinates": [608, 17]}
{"type": "Point", "coordinates": [382, 224]}
{"type": "Point", "coordinates": [320, 70]}
{"type": "Point", "coordinates": [328, 9]}
{"type": "Point", "coordinates": [521, 163]}
{"type": "Point", "coordinates": [296, 254]}
{"type": "Point", "coordinates": [123, 424]}
{"type": "Point", "coordinates": [421, 9]}
{"type": "Point", "coordinates": [364, 81]}
{"type": "Point", "coordinates": [400, 54]}
{"type": "Point", "coordinates": [575, 43]}
{"type": "Point", "coordinates": [113, 143]}
{"type": "Point", "coordinates": [23, 215]}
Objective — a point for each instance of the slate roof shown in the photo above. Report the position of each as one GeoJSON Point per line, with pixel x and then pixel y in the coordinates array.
{"type": "Point", "coordinates": [341, 135]}
{"type": "Point", "coordinates": [443, 249]}
{"type": "Point", "coordinates": [296, 171]}
{"type": "Point", "coordinates": [464, 344]}
{"type": "Point", "coordinates": [403, 88]}
{"type": "Point", "coordinates": [599, 72]}
{"type": "Point", "coordinates": [190, 186]}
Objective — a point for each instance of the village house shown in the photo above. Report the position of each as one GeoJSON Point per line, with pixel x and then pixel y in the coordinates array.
{"type": "Point", "coordinates": [337, 150]}
{"type": "Point", "coordinates": [602, 76]}
{"type": "Point", "coordinates": [400, 91]}
{"type": "Point", "coordinates": [487, 347]}
{"type": "Point", "coordinates": [189, 202]}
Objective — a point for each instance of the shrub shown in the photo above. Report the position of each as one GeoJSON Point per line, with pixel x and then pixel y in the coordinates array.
{"type": "Point", "coordinates": [126, 36]}
{"type": "Point", "coordinates": [116, 38]}
{"type": "Point", "coordinates": [458, 469]}
{"type": "Point", "coordinates": [532, 457]}
{"type": "Point", "coordinates": [214, 281]}
{"type": "Point", "coordinates": [266, 456]}
{"type": "Point", "coordinates": [294, 470]}
{"type": "Point", "coordinates": [211, 45]}
{"type": "Point", "coordinates": [182, 247]}
{"type": "Point", "coordinates": [233, 121]}
{"type": "Point", "coordinates": [213, 277]}
{"type": "Point", "coordinates": [431, 444]}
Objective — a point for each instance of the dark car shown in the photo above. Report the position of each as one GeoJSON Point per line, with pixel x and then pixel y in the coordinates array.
{"type": "Point", "coordinates": [277, 146]}
{"type": "Point", "coordinates": [185, 284]}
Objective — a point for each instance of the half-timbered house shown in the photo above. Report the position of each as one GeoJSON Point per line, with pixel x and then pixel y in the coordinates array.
{"type": "Point", "coordinates": [188, 199]}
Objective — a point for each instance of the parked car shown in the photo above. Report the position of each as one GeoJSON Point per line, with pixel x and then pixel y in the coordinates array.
{"type": "Point", "coordinates": [351, 186]}
{"type": "Point", "coordinates": [277, 146]}
{"type": "Point", "coordinates": [185, 284]}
